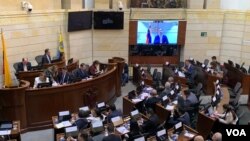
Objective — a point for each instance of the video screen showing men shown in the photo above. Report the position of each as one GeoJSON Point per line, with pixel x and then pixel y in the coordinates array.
{"type": "Point", "coordinates": [157, 32]}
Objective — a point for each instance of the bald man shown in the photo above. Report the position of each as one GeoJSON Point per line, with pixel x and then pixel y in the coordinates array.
{"type": "Point", "coordinates": [25, 65]}
{"type": "Point", "coordinates": [217, 137]}
{"type": "Point", "coordinates": [198, 138]}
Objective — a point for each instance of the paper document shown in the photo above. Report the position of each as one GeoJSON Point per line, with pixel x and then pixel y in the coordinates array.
{"type": "Point", "coordinates": [122, 130]}
{"type": "Point", "coordinates": [5, 132]}
{"type": "Point", "coordinates": [181, 74]}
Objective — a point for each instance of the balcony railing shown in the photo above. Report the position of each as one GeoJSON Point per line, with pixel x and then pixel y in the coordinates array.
{"type": "Point", "coordinates": [157, 3]}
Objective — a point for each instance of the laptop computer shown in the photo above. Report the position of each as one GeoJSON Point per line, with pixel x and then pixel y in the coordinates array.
{"type": "Point", "coordinates": [6, 125]}
{"type": "Point", "coordinates": [161, 135]}
{"type": "Point", "coordinates": [117, 121]}
{"type": "Point", "coordinates": [178, 128]}
{"type": "Point", "coordinates": [64, 116]}
{"type": "Point", "coordinates": [135, 114]}
{"type": "Point", "coordinates": [101, 106]}
{"type": "Point", "coordinates": [71, 131]}
{"type": "Point", "coordinates": [97, 126]}
{"type": "Point", "coordinates": [43, 85]}
{"type": "Point", "coordinates": [85, 109]}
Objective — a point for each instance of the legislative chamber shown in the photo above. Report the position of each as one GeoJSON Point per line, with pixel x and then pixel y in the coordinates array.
{"type": "Point", "coordinates": [124, 70]}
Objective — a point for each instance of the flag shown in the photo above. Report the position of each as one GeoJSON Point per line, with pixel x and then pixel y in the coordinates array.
{"type": "Point", "coordinates": [60, 49]}
{"type": "Point", "coordinates": [148, 37]}
{"type": "Point", "coordinates": [6, 69]}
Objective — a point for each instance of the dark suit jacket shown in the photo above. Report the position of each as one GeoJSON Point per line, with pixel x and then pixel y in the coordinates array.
{"type": "Point", "coordinates": [158, 39]}
{"type": "Point", "coordinates": [20, 67]}
{"type": "Point", "coordinates": [185, 119]}
{"type": "Point", "coordinates": [114, 114]}
{"type": "Point", "coordinates": [81, 123]}
{"type": "Point", "coordinates": [112, 137]}
{"type": "Point", "coordinates": [66, 78]}
{"type": "Point", "coordinates": [45, 59]}
{"type": "Point", "coordinates": [151, 102]}
{"type": "Point", "coordinates": [151, 124]}
{"type": "Point", "coordinates": [125, 68]}
{"type": "Point", "coordinates": [81, 74]}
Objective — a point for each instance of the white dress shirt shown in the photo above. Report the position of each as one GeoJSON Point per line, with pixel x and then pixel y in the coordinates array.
{"type": "Point", "coordinates": [37, 81]}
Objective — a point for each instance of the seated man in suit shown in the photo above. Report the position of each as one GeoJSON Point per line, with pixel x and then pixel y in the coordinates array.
{"type": "Point", "coordinates": [160, 38]}
{"type": "Point", "coordinates": [93, 69]}
{"type": "Point", "coordinates": [46, 57]}
{"type": "Point", "coordinates": [52, 74]}
{"type": "Point", "coordinates": [81, 121]}
{"type": "Point", "coordinates": [24, 66]}
{"type": "Point", "coordinates": [151, 102]}
{"type": "Point", "coordinates": [82, 72]}
{"type": "Point", "coordinates": [40, 79]}
{"type": "Point", "coordinates": [112, 136]}
{"type": "Point", "coordinates": [151, 124]}
{"type": "Point", "coordinates": [188, 68]}
{"type": "Point", "coordinates": [178, 115]}
{"type": "Point", "coordinates": [113, 112]}
{"type": "Point", "coordinates": [190, 99]}
{"type": "Point", "coordinates": [64, 77]}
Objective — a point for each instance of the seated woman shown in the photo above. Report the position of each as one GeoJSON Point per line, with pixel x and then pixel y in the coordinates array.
{"type": "Point", "coordinates": [93, 69]}
{"type": "Point", "coordinates": [40, 79]}
{"type": "Point", "coordinates": [228, 116]}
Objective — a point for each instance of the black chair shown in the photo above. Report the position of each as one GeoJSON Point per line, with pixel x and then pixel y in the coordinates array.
{"type": "Point", "coordinates": [39, 59]}
{"type": "Point", "coordinates": [15, 65]}
{"type": "Point", "coordinates": [237, 66]}
{"type": "Point", "coordinates": [249, 70]}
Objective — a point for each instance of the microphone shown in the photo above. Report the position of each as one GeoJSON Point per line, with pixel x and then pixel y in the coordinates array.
{"type": "Point", "coordinates": [242, 65]}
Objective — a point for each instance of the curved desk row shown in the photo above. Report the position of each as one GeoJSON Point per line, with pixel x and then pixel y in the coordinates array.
{"type": "Point", "coordinates": [30, 75]}
{"type": "Point", "coordinates": [35, 107]}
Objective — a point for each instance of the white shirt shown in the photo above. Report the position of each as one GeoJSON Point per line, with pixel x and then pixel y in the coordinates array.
{"type": "Point", "coordinates": [37, 81]}
{"type": "Point", "coordinates": [25, 68]}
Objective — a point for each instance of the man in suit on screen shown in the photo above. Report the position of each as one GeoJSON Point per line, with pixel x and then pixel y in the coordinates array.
{"type": "Point", "coordinates": [160, 38]}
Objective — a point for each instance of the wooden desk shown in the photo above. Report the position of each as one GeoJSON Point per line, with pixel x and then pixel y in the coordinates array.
{"type": "Point", "coordinates": [181, 137]}
{"type": "Point", "coordinates": [206, 123]}
{"type": "Point", "coordinates": [181, 80]}
{"type": "Point", "coordinates": [162, 112]}
{"type": "Point", "coordinates": [35, 107]}
{"type": "Point", "coordinates": [12, 103]}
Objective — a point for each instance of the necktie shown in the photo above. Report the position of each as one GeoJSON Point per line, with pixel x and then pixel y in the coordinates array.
{"type": "Point", "coordinates": [48, 59]}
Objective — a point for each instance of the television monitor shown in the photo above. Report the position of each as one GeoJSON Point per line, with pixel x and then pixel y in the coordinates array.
{"type": "Point", "coordinates": [108, 20]}
{"type": "Point", "coordinates": [80, 20]}
{"type": "Point", "coordinates": [157, 32]}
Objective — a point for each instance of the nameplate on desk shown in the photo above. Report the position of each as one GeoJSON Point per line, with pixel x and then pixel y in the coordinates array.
{"type": "Point", "coordinates": [140, 139]}
{"type": "Point", "coordinates": [85, 108]}
{"type": "Point", "coordinates": [101, 105]}
{"type": "Point", "coordinates": [5, 132]}
{"type": "Point", "coordinates": [122, 130]}
{"type": "Point", "coordinates": [161, 133]}
{"type": "Point", "coordinates": [165, 98]}
{"type": "Point", "coordinates": [181, 74]}
{"type": "Point", "coordinates": [170, 107]}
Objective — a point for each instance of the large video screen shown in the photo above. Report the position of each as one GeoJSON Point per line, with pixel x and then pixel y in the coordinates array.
{"type": "Point", "coordinates": [108, 20]}
{"type": "Point", "coordinates": [157, 31]}
{"type": "Point", "coordinates": [81, 20]}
